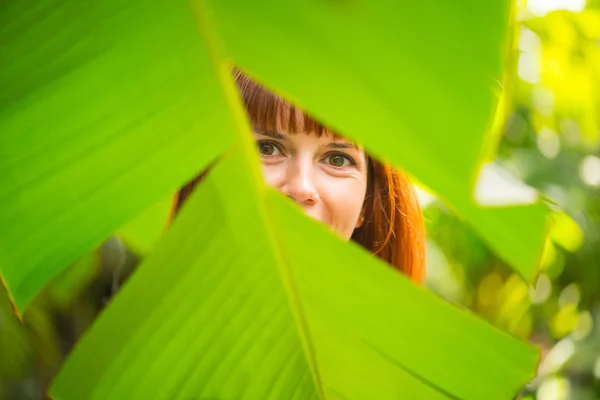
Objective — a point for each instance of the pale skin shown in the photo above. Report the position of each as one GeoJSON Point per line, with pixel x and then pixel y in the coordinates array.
{"type": "Point", "coordinates": [326, 176]}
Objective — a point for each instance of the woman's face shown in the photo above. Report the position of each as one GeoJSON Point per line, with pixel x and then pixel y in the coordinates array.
{"type": "Point", "coordinates": [326, 176]}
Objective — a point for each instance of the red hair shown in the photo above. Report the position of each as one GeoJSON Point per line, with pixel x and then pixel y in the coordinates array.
{"type": "Point", "coordinates": [393, 225]}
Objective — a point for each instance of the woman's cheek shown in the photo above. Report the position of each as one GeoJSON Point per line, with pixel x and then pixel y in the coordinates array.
{"type": "Point", "coordinates": [273, 174]}
{"type": "Point", "coordinates": [344, 199]}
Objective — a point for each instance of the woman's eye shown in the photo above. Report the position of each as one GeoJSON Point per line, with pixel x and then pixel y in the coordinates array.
{"type": "Point", "coordinates": [339, 160]}
{"type": "Point", "coordinates": [268, 149]}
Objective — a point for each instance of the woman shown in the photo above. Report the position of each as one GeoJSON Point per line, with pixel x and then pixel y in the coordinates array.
{"type": "Point", "coordinates": [333, 180]}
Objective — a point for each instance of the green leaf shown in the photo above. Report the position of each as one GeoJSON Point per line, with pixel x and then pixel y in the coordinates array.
{"type": "Point", "coordinates": [211, 313]}
{"type": "Point", "coordinates": [143, 232]}
{"type": "Point", "coordinates": [15, 345]}
{"type": "Point", "coordinates": [100, 108]}
{"type": "Point", "coordinates": [205, 316]}
{"type": "Point", "coordinates": [422, 76]}
{"type": "Point", "coordinates": [369, 333]}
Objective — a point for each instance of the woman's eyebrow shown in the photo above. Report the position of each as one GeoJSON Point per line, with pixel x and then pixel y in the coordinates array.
{"type": "Point", "coordinates": [274, 135]}
{"type": "Point", "coordinates": [337, 145]}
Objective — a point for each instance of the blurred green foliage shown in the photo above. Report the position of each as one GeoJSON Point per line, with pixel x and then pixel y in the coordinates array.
{"type": "Point", "coordinates": [551, 142]}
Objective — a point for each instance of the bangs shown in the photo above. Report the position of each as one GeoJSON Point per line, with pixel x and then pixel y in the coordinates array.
{"type": "Point", "coordinates": [270, 112]}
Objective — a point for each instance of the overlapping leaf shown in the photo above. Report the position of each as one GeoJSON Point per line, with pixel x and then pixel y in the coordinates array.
{"type": "Point", "coordinates": [210, 315]}
{"type": "Point", "coordinates": [205, 317]}
{"type": "Point", "coordinates": [105, 107]}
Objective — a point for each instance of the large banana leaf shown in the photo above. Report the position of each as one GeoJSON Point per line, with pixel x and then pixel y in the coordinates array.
{"type": "Point", "coordinates": [210, 315]}
{"type": "Point", "coordinates": [105, 107]}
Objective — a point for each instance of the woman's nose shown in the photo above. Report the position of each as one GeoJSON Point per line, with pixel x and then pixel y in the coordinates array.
{"type": "Point", "coordinates": [300, 184]}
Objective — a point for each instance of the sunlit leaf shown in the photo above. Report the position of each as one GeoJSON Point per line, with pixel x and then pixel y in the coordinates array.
{"type": "Point", "coordinates": [100, 108]}
{"type": "Point", "coordinates": [208, 316]}
{"type": "Point", "coordinates": [204, 317]}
